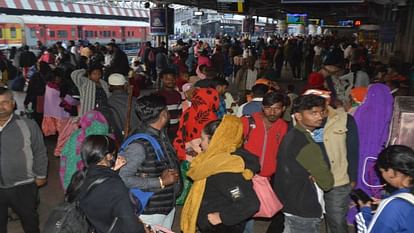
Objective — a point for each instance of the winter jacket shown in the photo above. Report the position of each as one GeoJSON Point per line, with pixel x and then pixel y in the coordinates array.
{"type": "Point", "coordinates": [108, 201]}
{"type": "Point", "coordinates": [23, 155]}
{"type": "Point", "coordinates": [144, 169]}
{"type": "Point", "coordinates": [299, 159]}
{"type": "Point", "coordinates": [231, 195]}
{"type": "Point", "coordinates": [264, 145]}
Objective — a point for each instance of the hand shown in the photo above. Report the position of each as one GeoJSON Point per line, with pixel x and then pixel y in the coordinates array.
{"type": "Point", "coordinates": [148, 229]}
{"type": "Point", "coordinates": [353, 184]}
{"type": "Point", "coordinates": [169, 176]}
{"type": "Point", "coordinates": [40, 182]}
{"type": "Point", "coordinates": [214, 218]}
{"type": "Point", "coordinates": [119, 163]}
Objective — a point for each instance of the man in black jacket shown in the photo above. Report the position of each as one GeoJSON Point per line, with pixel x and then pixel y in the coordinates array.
{"type": "Point", "coordinates": [148, 172]}
{"type": "Point", "coordinates": [302, 172]}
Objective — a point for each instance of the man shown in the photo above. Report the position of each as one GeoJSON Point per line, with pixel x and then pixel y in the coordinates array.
{"type": "Point", "coordinates": [23, 165]}
{"type": "Point", "coordinates": [119, 63]}
{"type": "Point", "coordinates": [339, 142]}
{"type": "Point", "coordinates": [27, 60]}
{"type": "Point", "coordinates": [302, 172]}
{"type": "Point", "coordinates": [161, 63]}
{"type": "Point", "coordinates": [263, 132]}
{"type": "Point", "coordinates": [148, 173]}
{"type": "Point", "coordinates": [258, 91]}
{"type": "Point", "coordinates": [221, 85]}
{"type": "Point", "coordinates": [118, 107]}
{"type": "Point", "coordinates": [173, 97]}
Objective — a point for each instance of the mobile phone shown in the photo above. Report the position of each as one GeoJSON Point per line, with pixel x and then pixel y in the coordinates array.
{"type": "Point", "coordinates": [360, 195]}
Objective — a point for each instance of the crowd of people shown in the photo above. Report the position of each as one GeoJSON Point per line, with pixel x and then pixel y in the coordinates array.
{"type": "Point", "coordinates": [221, 108]}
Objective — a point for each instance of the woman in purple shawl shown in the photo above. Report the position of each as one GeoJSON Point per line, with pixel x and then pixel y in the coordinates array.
{"type": "Point", "coordinates": [373, 119]}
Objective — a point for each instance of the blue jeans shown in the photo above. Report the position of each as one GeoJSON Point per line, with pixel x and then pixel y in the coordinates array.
{"type": "Point", "coordinates": [336, 206]}
{"type": "Point", "coordinates": [296, 224]}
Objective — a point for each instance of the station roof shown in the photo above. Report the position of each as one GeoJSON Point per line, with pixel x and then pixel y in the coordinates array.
{"type": "Point", "coordinates": [369, 9]}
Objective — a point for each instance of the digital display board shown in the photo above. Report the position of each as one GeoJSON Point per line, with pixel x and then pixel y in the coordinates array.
{"type": "Point", "coordinates": [322, 1]}
{"type": "Point", "coordinates": [296, 18]}
{"type": "Point", "coordinates": [231, 6]}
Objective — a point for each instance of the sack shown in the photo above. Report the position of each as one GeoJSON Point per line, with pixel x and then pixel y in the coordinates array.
{"type": "Point", "coordinates": [69, 218]}
{"type": "Point", "coordinates": [185, 166]}
{"type": "Point", "coordinates": [269, 203]}
{"type": "Point", "coordinates": [18, 83]}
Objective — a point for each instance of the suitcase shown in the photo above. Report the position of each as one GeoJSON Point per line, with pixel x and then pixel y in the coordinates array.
{"type": "Point", "coordinates": [402, 128]}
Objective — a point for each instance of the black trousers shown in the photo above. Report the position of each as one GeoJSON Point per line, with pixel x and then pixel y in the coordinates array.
{"type": "Point", "coordinates": [23, 200]}
{"type": "Point", "coordinates": [221, 228]}
{"type": "Point", "coordinates": [277, 223]}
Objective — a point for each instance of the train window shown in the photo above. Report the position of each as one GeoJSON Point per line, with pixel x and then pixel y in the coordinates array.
{"type": "Point", "coordinates": [32, 32]}
{"type": "Point", "coordinates": [42, 32]}
{"type": "Point", "coordinates": [129, 33]}
{"type": "Point", "coordinates": [96, 34]}
{"type": "Point", "coordinates": [73, 33]}
{"type": "Point", "coordinates": [113, 34]}
{"type": "Point", "coordinates": [13, 32]}
{"type": "Point", "coordinates": [62, 34]}
{"type": "Point", "coordinates": [52, 33]}
{"type": "Point", "coordinates": [132, 33]}
{"type": "Point", "coordinates": [1, 33]}
{"type": "Point", "coordinates": [100, 33]}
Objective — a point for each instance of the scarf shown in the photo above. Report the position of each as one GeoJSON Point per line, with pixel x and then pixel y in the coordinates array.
{"type": "Point", "coordinates": [217, 159]}
{"type": "Point", "coordinates": [373, 119]}
{"type": "Point", "coordinates": [204, 103]}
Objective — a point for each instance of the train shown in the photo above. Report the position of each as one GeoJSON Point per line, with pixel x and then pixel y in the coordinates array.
{"type": "Point", "coordinates": [28, 29]}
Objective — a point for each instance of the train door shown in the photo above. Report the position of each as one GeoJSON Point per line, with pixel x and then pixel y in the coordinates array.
{"type": "Point", "coordinates": [80, 32]}
{"type": "Point", "coordinates": [123, 34]}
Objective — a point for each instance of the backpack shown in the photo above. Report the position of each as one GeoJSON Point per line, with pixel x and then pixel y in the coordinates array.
{"type": "Point", "coordinates": [69, 218]}
{"type": "Point", "coordinates": [252, 125]}
{"type": "Point", "coordinates": [154, 143]}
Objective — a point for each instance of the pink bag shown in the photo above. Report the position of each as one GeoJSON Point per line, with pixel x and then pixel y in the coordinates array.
{"type": "Point", "coordinates": [269, 203]}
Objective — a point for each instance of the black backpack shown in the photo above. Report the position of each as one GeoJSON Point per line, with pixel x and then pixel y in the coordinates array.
{"type": "Point", "coordinates": [69, 218]}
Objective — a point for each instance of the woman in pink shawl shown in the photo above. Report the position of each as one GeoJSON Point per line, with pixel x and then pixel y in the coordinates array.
{"type": "Point", "coordinates": [373, 119]}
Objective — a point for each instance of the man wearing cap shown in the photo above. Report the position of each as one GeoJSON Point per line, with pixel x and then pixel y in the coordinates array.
{"type": "Point", "coordinates": [118, 107]}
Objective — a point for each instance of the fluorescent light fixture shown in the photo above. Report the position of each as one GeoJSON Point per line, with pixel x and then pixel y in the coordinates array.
{"type": "Point", "coordinates": [198, 13]}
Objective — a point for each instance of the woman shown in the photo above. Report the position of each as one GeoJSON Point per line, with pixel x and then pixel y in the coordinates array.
{"type": "Point", "coordinates": [221, 198]}
{"type": "Point", "coordinates": [36, 90]}
{"type": "Point", "coordinates": [204, 104]}
{"type": "Point", "coordinates": [109, 204]}
{"type": "Point", "coordinates": [94, 91]}
{"type": "Point", "coordinates": [92, 123]}
{"type": "Point", "coordinates": [395, 213]}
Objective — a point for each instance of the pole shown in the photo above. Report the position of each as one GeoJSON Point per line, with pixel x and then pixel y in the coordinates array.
{"type": "Point", "coordinates": [128, 116]}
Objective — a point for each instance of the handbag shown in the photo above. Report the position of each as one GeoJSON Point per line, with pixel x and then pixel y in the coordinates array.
{"type": "Point", "coordinates": [269, 203]}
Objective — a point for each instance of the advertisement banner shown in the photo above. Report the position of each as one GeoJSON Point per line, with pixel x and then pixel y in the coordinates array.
{"type": "Point", "coordinates": [158, 21]}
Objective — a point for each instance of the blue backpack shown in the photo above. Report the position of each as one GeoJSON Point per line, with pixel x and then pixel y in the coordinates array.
{"type": "Point", "coordinates": [154, 143]}
{"type": "Point", "coordinates": [143, 197]}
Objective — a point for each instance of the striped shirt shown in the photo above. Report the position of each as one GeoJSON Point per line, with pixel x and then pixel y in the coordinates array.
{"type": "Point", "coordinates": [173, 99]}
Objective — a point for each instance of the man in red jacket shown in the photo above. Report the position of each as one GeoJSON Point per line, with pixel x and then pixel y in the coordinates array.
{"type": "Point", "coordinates": [263, 132]}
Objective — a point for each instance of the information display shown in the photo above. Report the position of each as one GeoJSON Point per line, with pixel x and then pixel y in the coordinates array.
{"type": "Point", "coordinates": [296, 18]}
{"type": "Point", "coordinates": [231, 6]}
{"type": "Point", "coordinates": [322, 1]}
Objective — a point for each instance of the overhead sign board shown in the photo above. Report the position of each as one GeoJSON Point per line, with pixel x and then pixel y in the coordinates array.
{"type": "Point", "coordinates": [323, 1]}
{"type": "Point", "coordinates": [231, 6]}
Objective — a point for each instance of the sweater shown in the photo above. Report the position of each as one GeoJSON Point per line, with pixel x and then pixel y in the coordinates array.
{"type": "Point", "coordinates": [300, 158]}
{"type": "Point", "coordinates": [23, 155]}
{"type": "Point", "coordinates": [109, 200]}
